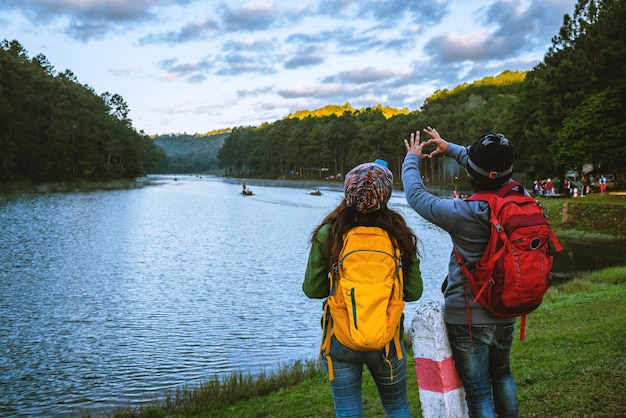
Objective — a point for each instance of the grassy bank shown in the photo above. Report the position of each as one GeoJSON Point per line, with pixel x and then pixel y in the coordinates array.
{"type": "Point", "coordinates": [592, 216]}
{"type": "Point", "coordinates": [572, 364]}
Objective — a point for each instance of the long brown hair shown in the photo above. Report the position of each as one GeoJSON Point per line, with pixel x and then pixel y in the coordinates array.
{"type": "Point", "coordinates": [343, 218]}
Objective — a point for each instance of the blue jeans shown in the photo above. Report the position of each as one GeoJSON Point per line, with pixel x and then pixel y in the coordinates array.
{"type": "Point", "coordinates": [484, 368]}
{"type": "Point", "coordinates": [348, 369]}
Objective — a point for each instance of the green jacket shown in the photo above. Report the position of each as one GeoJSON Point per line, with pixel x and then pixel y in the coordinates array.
{"type": "Point", "coordinates": [316, 283]}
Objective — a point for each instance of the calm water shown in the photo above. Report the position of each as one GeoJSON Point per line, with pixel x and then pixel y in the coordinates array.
{"type": "Point", "coordinates": [111, 298]}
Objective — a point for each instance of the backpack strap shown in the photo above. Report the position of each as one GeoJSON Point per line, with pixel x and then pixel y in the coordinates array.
{"type": "Point", "coordinates": [509, 188]}
{"type": "Point", "coordinates": [555, 242]}
{"type": "Point", "coordinates": [396, 337]}
{"type": "Point", "coordinates": [327, 322]}
{"type": "Point", "coordinates": [327, 333]}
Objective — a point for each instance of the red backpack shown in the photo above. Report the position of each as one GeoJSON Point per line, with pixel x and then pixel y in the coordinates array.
{"type": "Point", "coordinates": [513, 274]}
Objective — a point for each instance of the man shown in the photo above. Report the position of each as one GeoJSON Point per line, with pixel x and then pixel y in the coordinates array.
{"type": "Point", "coordinates": [481, 348]}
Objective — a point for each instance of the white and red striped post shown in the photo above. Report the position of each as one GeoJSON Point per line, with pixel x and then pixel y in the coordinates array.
{"type": "Point", "coordinates": [441, 392]}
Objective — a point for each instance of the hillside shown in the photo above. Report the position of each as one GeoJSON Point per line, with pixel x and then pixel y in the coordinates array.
{"type": "Point", "coordinates": [191, 153]}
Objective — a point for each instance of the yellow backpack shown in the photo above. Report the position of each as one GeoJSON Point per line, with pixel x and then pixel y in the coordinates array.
{"type": "Point", "coordinates": [364, 307]}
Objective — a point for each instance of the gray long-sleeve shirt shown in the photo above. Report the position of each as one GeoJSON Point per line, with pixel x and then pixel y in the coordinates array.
{"type": "Point", "coordinates": [467, 222]}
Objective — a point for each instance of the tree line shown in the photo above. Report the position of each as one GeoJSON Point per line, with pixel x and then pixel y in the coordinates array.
{"type": "Point", "coordinates": [567, 111]}
{"type": "Point", "coordinates": [54, 128]}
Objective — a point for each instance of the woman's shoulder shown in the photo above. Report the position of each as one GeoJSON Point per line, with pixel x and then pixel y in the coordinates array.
{"type": "Point", "coordinates": [323, 232]}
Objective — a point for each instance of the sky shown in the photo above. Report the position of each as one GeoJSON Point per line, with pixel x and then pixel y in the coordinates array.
{"type": "Point", "coordinates": [194, 66]}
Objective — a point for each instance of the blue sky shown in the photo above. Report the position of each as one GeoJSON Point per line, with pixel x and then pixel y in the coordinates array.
{"type": "Point", "coordinates": [194, 66]}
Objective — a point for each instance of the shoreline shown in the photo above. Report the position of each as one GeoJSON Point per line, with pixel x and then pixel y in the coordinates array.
{"type": "Point", "coordinates": [30, 187]}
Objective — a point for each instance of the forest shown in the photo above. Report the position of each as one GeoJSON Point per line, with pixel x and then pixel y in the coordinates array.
{"type": "Point", "coordinates": [56, 129]}
{"type": "Point", "coordinates": [567, 111]}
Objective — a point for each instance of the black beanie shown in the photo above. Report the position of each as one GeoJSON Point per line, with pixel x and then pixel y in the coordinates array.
{"type": "Point", "coordinates": [490, 161]}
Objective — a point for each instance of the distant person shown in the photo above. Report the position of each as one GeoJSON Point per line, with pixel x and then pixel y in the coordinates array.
{"type": "Point", "coordinates": [549, 187]}
{"type": "Point", "coordinates": [537, 188]}
{"type": "Point", "coordinates": [481, 346]}
{"type": "Point", "coordinates": [245, 187]}
{"type": "Point", "coordinates": [367, 191]}
{"type": "Point", "coordinates": [602, 182]}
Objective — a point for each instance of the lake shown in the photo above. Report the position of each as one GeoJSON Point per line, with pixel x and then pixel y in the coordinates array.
{"type": "Point", "coordinates": [111, 298]}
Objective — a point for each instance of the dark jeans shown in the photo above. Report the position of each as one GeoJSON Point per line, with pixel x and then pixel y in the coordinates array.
{"type": "Point", "coordinates": [484, 368]}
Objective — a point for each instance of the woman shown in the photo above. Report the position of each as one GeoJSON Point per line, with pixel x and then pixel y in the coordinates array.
{"type": "Point", "coordinates": [368, 188]}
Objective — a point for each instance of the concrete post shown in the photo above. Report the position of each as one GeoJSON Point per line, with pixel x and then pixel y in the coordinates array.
{"type": "Point", "coordinates": [441, 392]}
{"type": "Point", "coordinates": [564, 214]}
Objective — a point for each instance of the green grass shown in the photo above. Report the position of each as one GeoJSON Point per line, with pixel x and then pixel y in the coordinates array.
{"type": "Point", "coordinates": [591, 217]}
{"type": "Point", "coordinates": [572, 364]}
{"type": "Point", "coordinates": [573, 361]}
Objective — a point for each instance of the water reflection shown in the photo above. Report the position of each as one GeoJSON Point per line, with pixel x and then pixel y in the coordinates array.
{"type": "Point", "coordinates": [587, 255]}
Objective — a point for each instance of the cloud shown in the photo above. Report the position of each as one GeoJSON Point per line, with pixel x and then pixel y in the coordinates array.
{"type": "Point", "coordinates": [349, 40]}
{"type": "Point", "coordinates": [235, 58]}
{"type": "Point", "coordinates": [193, 31]}
{"type": "Point", "coordinates": [360, 76]}
{"type": "Point", "coordinates": [308, 56]}
{"type": "Point", "coordinates": [531, 25]}
{"type": "Point", "coordinates": [320, 91]}
{"type": "Point", "coordinates": [252, 46]}
{"type": "Point", "coordinates": [237, 63]}
{"type": "Point", "coordinates": [509, 30]}
{"type": "Point", "coordinates": [254, 16]}
{"type": "Point", "coordinates": [91, 19]}
{"type": "Point", "coordinates": [478, 46]}
{"type": "Point", "coordinates": [190, 71]}
{"type": "Point", "coordinates": [335, 7]}
{"type": "Point", "coordinates": [87, 30]}
{"type": "Point", "coordinates": [251, 56]}
{"type": "Point", "coordinates": [386, 13]}
{"type": "Point", "coordinates": [356, 44]}
{"type": "Point", "coordinates": [390, 13]}
{"type": "Point", "coordinates": [254, 92]}
{"type": "Point", "coordinates": [112, 10]}
{"type": "Point", "coordinates": [124, 72]}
